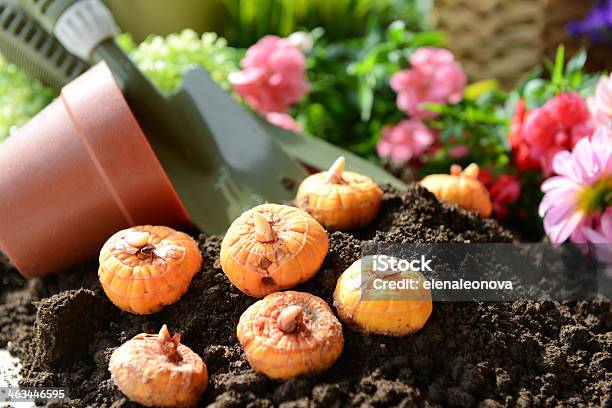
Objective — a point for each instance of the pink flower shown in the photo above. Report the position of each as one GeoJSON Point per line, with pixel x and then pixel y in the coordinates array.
{"type": "Point", "coordinates": [283, 120]}
{"type": "Point", "coordinates": [273, 75]}
{"type": "Point", "coordinates": [600, 104]}
{"type": "Point", "coordinates": [458, 152]}
{"type": "Point", "coordinates": [582, 189]}
{"type": "Point", "coordinates": [536, 136]}
{"type": "Point", "coordinates": [434, 77]}
{"type": "Point", "coordinates": [602, 232]}
{"type": "Point", "coordinates": [404, 141]}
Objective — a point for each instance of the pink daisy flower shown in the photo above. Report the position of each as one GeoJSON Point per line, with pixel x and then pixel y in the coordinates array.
{"type": "Point", "coordinates": [582, 189]}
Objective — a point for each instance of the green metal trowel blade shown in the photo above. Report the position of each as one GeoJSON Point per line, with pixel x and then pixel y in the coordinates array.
{"type": "Point", "coordinates": [220, 160]}
{"type": "Point", "coordinates": [319, 154]}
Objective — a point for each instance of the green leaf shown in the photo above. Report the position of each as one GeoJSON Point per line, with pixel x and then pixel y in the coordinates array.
{"type": "Point", "coordinates": [548, 64]}
{"type": "Point", "coordinates": [576, 63]}
{"type": "Point", "coordinates": [365, 66]}
{"type": "Point", "coordinates": [435, 107]}
{"type": "Point", "coordinates": [557, 76]}
{"type": "Point", "coordinates": [532, 74]}
{"type": "Point", "coordinates": [477, 89]}
{"type": "Point", "coordinates": [431, 38]}
{"type": "Point", "coordinates": [396, 31]}
{"type": "Point", "coordinates": [365, 96]}
{"type": "Point", "coordinates": [534, 87]}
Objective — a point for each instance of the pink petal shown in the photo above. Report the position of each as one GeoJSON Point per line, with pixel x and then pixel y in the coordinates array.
{"type": "Point", "coordinates": [257, 54]}
{"type": "Point", "coordinates": [246, 76]}
{"type": "Point", "coordinates": [384, 148]}
{"type": "Point", "coordinates": [400, 79]}
{"type": "Point", "coordinates": [407, 103]}
{"type": "Point", "coordinates": [594, 236]}
{"type": "Point", "coordinates": [563, 164]}
{"type": "Point", "coordinates": [558, 182]}
{"type": "Point", "coordinates": [584, 161]}
{"type": "Point", "coordinates": [606, 224]}
{"type": "Point", "coordinates": [283, 120]}
{"type": "Point", "coordinates": [554, 197]}
{"type": "Point", "coordinates": [602, 147]}
{"type": "Point", "coordinates": [401, 153]}
{"type": "Point", "coordinates": [561, 221]}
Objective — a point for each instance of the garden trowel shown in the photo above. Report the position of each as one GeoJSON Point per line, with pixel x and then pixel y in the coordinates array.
{"type": "Point", "coordinates": [220, 158]}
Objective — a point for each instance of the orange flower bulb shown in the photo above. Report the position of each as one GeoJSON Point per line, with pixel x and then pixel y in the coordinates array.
{"type": "Point", "coordinates": [159, 371]}
{"type": "Point", "coordinates": [142, 269]}
{"type": "Point", "coordinates": [290, 334]}
{"type": "Point", "coordinates": [339, 199]}
{"type": "Point", "coordinates": [462, 188]}
{"type": "Point", "coordinates": [272, 247]}
{"type": "Point", "coordinates": [366, 302]}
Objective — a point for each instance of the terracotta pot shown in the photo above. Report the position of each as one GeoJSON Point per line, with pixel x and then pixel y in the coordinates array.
{"type": "Point", "coordinates": [76, 173]}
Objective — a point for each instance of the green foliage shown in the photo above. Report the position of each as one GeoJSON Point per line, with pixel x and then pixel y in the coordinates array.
{"type": "Point", "coordinates": [166, 59]}
{"type": "Point", "coordinates": [557, 77]}
{"type": "Point", "coordinates": [542, 84]}
{"type": "Point", "coordinates": [20, 97]}
{"type": "Point", "coordinates": [350, 99]}
{"type": "Point", "coordinates": [249, 20]}
{"type": "Point", "coordinates": [481, 125]}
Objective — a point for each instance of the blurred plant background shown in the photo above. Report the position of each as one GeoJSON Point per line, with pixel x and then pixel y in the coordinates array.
{"type": "Point", "coordinates": [350, 100]}
{"type": "Point", "coordinates": [346, 31]}
{"type": "Point", "coordinates": [166, 59]}
{"type": "Point", "coordinates": [355, 47]}
{"type": "Point", "coordinates": [21, 97]}
{"type": "Point", "coordinates": [249, 20]}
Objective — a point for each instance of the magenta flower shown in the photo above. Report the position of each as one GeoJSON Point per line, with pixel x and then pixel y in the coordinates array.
{"type": "Point", "coordinates": [434, 77]}
{"type": "Point", "coordinates": [273, 75]}
{"type": "Point", "coordinates": [283, 120]}
{"type": "Point", "coordinates": [600, 104]}
{"type": "Point", "coordinates": [404, 141]}
{"type": "Point", "coordinates": [582, 189]}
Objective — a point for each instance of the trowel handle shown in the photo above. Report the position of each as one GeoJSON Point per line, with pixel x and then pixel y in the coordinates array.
{"type": "Point", "coordinates": [79, 25]}
{"type": "Point", "coordinates": [26, 44]}
{"type": "Point", "coordinates": [87, 29]}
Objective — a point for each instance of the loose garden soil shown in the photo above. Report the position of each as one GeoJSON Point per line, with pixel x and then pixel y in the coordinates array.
{"type": "Point", "coordinates": [492, 354]}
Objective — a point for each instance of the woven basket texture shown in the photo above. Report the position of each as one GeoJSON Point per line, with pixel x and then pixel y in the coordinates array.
{"type": "Point", "coordinates": [504, 39]}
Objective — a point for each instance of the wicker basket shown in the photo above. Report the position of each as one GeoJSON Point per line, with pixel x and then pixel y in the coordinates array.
{"type": "Point", "coordinates": [504, 39]}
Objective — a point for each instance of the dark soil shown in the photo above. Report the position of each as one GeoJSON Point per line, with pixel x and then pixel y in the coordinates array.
{"type": "Point", "coordinates": [469, 354]}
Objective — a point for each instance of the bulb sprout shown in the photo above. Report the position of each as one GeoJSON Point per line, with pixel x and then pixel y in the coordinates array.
{"type": "Point", "coordinates": [287, 319]}
{"type": "Point", "coordinates": [263, 229]}
{"type": "Point", "coordinates": [334, 174]}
